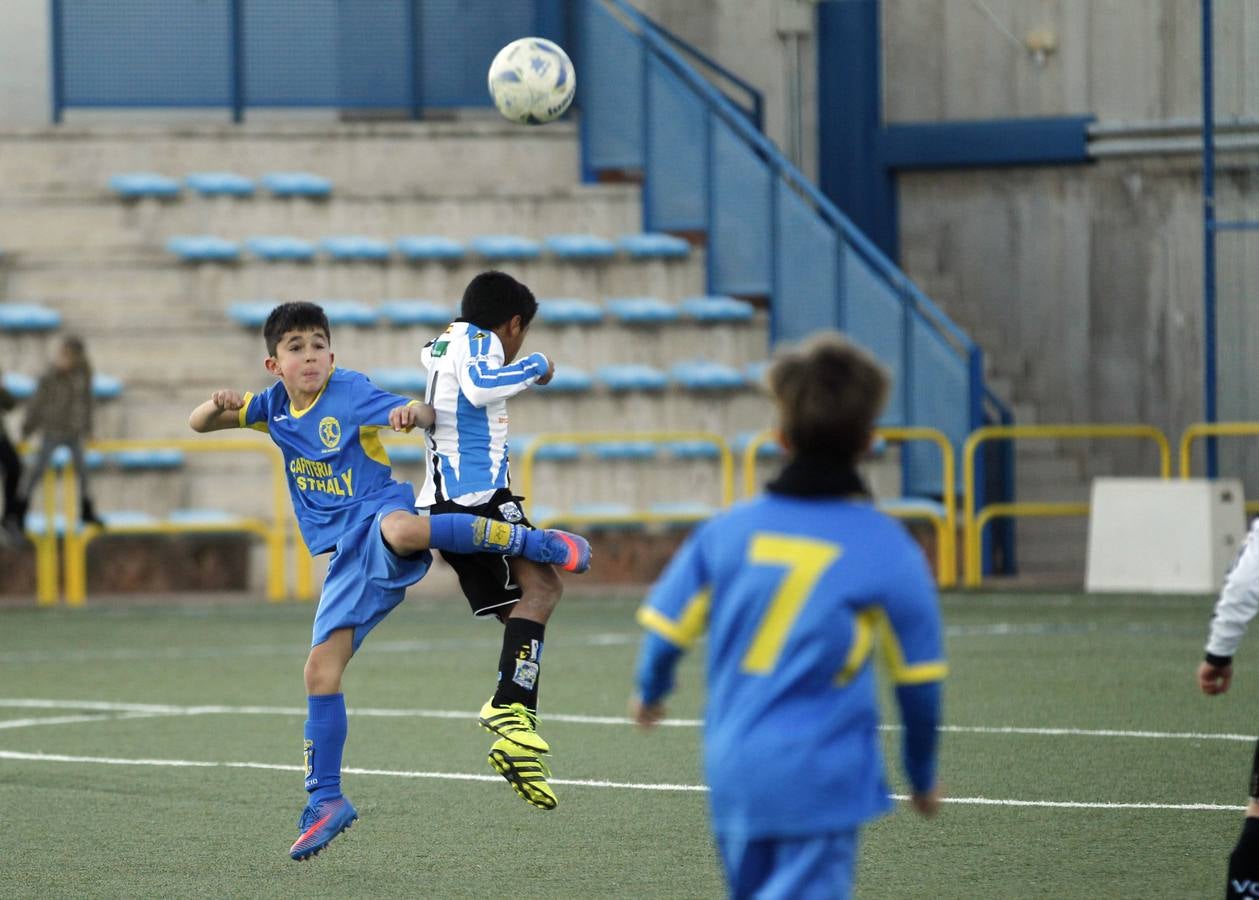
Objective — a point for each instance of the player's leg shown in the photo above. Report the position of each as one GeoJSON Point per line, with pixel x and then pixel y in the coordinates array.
{"type": "Point", "coordinates": [87, 511]}
{"type": "Point", "coordinates": [512, 713]}
{"type": "Point", "coordinates": [464, 532]}
{"type": "Point", "coordinates": [11, 466]}
{"type": "Point", "coordinates": [1243, 862]}
{"type": "Point", "coordinates": [327, 811]}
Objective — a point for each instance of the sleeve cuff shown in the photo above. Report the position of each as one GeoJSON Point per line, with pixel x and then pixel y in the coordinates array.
{"type": "Point", "coordinates": [1219, 661]}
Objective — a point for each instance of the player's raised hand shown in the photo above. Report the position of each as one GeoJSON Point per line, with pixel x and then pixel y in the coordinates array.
{"type": "Point", "coordinates": [926, 804]}
{"type": "Point", "coordinates": [646, 715]}
{"type": "Point", "coordinates": [550, 370]}
{"type": "Point", "coordinates": [227, 399]}
{"type": "Point", "coordinates": [1214, 679]}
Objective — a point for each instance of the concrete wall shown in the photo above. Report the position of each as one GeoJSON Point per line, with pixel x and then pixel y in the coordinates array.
{"type": "Point", "coordinates": [24, 79]}
{"type": "Point", "coordinates": [948, 59]}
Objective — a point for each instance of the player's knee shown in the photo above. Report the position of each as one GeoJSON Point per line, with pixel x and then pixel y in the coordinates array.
{"type": "Point", "coordinates": [402, 532]}
{"type": "Point", "coordinates": [542, 586]}
{"type": "Point", "coordinates": [322, 676]}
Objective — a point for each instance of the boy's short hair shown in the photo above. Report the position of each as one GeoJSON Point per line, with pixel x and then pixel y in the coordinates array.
{"type": "Point", "coordinates": [299, 316]}
{"type": "Point", "coordinates": [830, 393]}
{"type": "Point", "coordinates": [492, 298]}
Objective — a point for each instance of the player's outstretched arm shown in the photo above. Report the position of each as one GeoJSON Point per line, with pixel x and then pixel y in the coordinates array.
{"type": "Point", "coordinates": [221, 411]}
{"type": "Point", "coordinates": [412, 415]}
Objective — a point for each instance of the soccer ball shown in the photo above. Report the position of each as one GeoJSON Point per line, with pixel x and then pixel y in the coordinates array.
{"type": "Point", "coordinates": [532, 81]}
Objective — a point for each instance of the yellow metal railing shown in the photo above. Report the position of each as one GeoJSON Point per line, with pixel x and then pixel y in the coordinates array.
{"type": "Point", "coordinates": [45, 542]}
{"type": "Point", "coordinates": [586, 438]}
{"type": "Point", "coordinates": [945, 526]}
{"type": "Point", "coordinates": [1214, 429]}
{"type": "Point", "coordinates": [272, 532]}
{"type": "Point", "coordinates": [974, 521]}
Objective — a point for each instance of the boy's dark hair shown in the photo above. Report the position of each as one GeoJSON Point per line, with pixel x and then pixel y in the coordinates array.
{"type": "Point", "coordinates": [492, 298]}
{"type": "Point", "coordinates": [299, 316]}
{"type": "Point", "coordinates": [830, 393]}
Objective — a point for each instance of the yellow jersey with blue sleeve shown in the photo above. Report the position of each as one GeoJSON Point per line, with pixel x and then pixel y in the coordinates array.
{"type": "Point", "coordinates": [338, 470]}
{"type": "Point", "coordinates": [797, 595]}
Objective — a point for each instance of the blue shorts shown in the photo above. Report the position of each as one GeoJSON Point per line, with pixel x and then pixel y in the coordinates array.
{"type": "Point", "coordinates": [813, 868]}
{"type": "Point", "coordinates": [365, 581]}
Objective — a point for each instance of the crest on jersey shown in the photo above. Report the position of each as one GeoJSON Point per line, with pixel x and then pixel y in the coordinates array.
{"type": "Point", "coordinates": [511, 511]}
{"type": "Point", "coordinates": [439, 349]}
{"type": "Point", "coordinates": [329, 431]}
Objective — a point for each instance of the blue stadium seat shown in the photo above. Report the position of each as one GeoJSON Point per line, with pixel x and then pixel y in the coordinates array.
{"type": "Point", "coordinates": [755, 372]}
{"type": "Point", "coordinates": [197, 517]}
{"type": "Point", "coordinates": [417, 312]}
{"type": "Point", "coordinates": [681, 511]}
{"type": "Point", "coordinates": [280, 247]}
{"type": "Point", "coordinates": [296, 184]}
{"type": "Point", "coordinates": [505, 246]}
{"type": "Point", "coordinates": [424, 247]}
{"type": "Point", "coordinates": [702, 375]}
{"type": "Point", "coordinates": [347, 312]}
{"type": "Point", "coordinates": [28, 317]}
{"type": "Point", "coordinates": [632, 450]}
{"type": "Point", "coordinates": [541, 515]}
{"type": "Point", "coordinates": [400, 379]}
{"type": "Point", "coordinates": [580, 246]}
{"type": "Point", "coordinates": [18, 384]}
{"type": "Point", "coordinates": [604, 515]}
{"type": "Point", "coordinates": [351, 247]}
{"type": "Point", "coordinates": [406, 454]}
{"type": "Point", "coordinates": [128, 518]}
{"type": "Point", "coordinates": [632, 377]}
{"type": "Point", "coordinates": [558, 452]}
{"type": "Point", "coordinates": [220, 184]}
{"type": "Point", "coordinates": [251, 313]}
{"type": "Point", "coordinates": [642, 310]}
{"type": "Point", "coordinates": [568, 381]}
{"type": "Point", "coordinates": [139, 460]}
{"type": "Point", "coordinates": [60, 458]}
{"type": "Point", "coordinates": [203, 248]}
{"type": "Point", "coordinates": [133, 185]}
{"type": "Point", "coordinates": [692, 449]}
{"type": "Point", "coordinates": [921, 505]}
{"type": "Point", "coordinates": [106, 387]}
{"type": "Point", "coordinates": [767, 450]}
{"type": "Point", "coordinates": [717, 309]}
{"type": "Point", "coordinates": [37, 524]}
{"type": "Point", "coordinates": [569, 311]}
{"type": "Point", "coordinates": [654, 246]}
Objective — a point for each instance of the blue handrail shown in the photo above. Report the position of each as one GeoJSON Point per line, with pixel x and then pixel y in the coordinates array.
{"type": "Point", "coordinates": [721, 105]}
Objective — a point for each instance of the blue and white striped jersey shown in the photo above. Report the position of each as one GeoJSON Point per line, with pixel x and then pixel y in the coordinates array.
{"type": "Point", "coordinates": [468, 387]}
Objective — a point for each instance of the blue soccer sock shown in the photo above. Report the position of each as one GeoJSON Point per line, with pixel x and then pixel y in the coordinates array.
{"type": "Point", "coordinates": [466, 533]}
{"type": "Point", "coordinates": [326, 728]}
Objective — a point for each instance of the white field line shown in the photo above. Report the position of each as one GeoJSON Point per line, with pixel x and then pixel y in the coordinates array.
{"type": "Point", "coordinates": [160, 709]}
{"type": "Point", "coordinates": [576, 782]}
{"type": "Point", "coordinates": [607, 639]}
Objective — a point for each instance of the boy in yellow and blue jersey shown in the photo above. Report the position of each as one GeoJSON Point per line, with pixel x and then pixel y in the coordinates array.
{"type": "Point", "coordinates": [796, 588]}
{"type": "Point", "coordinates": [326, 421]}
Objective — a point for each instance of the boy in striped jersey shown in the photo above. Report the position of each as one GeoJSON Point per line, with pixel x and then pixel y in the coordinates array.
{"type": "Point", "coordinates": [472, 371]}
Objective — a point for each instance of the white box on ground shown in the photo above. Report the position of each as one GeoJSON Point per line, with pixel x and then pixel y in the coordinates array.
{"type": "Point", "coordinates": [1163, 536]}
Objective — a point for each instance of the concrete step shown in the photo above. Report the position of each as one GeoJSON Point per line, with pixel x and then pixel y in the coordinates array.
{"type": "Point", "coordinates": [103, 227]}
{"type": "Point", "coordinates": [366, 158]}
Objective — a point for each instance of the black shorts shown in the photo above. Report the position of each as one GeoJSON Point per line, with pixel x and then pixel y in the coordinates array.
{"type": "Point", "coordinates": [486, 578]}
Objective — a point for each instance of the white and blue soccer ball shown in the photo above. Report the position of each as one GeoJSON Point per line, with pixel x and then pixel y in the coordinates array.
{"type": "Point", "coordinates": [532, 81]}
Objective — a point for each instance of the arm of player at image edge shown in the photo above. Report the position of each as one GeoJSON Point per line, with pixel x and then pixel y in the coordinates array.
{"type": "Point", "coordinates": [221, 411]}
{"type": "Point", "coordinates": [1237, 605]}
{"type": "Point", "coordinates": [674, 615]}
{"type": "Point", "coordinates": [914, 647]}
{"type": "Point", "coordinates": [483, 381]}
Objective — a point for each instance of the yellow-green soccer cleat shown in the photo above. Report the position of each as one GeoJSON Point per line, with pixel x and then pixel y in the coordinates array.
{"type": "Point", "coordinates": [516, 722]}
{"type": "Point", "coordinates": [525, 772]}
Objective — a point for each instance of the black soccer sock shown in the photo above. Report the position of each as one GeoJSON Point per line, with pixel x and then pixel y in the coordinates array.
{"type": "Point", "coordinates": [519, 663]}
{"type": "Point", "coordinates": [1243, 863]}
